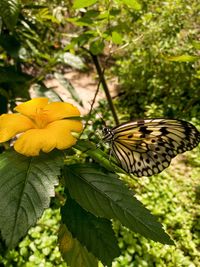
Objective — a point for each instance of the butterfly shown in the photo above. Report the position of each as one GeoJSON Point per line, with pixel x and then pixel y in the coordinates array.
{"type": "Point", "coordinates": [146, 147]}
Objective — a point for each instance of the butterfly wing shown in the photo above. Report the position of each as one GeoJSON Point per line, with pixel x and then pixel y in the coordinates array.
{"type": "Point", "coordinates": [146, 147]}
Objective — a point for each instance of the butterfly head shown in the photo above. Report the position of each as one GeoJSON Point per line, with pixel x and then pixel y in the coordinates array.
{"type": "Point", "coordinates": [108, 134]}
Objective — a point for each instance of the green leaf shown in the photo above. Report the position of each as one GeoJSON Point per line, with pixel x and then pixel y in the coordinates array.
{"type": "Point", "coordinates": [92, 13]}
{"type": "Point", "coordinates": [67, 85]}
{"type": "Point", "coordinates": [72, 60]}
{"type": "Point", "coordinates": [132, 4]}
{"type": "Point", "coordinates": [197, 74]}
{"type": "Point", "coordinates": [11, 75]}
{"type": "Point", "coordinates": [83, 3]}
{"type": "Point", "coordinates": [40, 90]}
{"type": "Point", "coordinates": [183, 58]}
{"type": "Point", "coordinates": [116, 38]}
{"type": "Point", "coordinates": [196, 44]}
{"type": "Point", "coordinates": [73, 252]}
{"type": "Point", "coordinates": [26, 186]}
{"type": "Point", "coordinates": [82, 39]}
{"type": "Point", "coordinates": [98, 155]}
{"type": "Point", "coordinates": [9, 10]}
{"type": "Point", "coordinates": [85, 21]}
{"type": "Point", "coordinates": [97, 47]}
{"type": "Point", "coordinates": [104, 195]}
{"type": "Point", "coordinates": [10, 44]}
{"type": "Point", "coordinates": [94, 233]}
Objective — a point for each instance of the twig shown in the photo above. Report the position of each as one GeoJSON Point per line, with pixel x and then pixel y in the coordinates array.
{"type": "Point", "coordinates": [104, 84]}
{"type": "Point", "coordinates": [91, 107]}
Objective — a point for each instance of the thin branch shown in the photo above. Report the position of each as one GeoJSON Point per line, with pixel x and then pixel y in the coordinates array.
{"type": "Point", "coordinates": [105, 87]}
{"type": "Point", "coordinates": [104, 84]}
{"type": "Point", "coordinates": [91, 107]}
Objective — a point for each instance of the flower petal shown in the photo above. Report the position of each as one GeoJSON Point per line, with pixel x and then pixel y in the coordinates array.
{"type": "Point", "coordinates": [29, 108]}
{"type": "Point", "coordinates": [56, 135]}
{"type": "Point", "coordinates": [60, 110]}
{"type": "Point", "coordinates": [12, 124]}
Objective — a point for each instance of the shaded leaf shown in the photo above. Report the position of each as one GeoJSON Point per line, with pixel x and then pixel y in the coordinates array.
{"type": "Point", "coordinates": [67, 85]}
{"type": "Point", "coordinates": [92, 13]}
{"type": "Point", "coordinates": [10, 44]}
{"type": "Point", "coordinates": [15, 81]}
{"type": "Point", "coordinates": [9, 10]}
{"type": "Point", "coordinates": [94, 233]}
{"type": "Point", "coordinates": [97, 47]}
{"type": "Point", "coordinates": [104, 195]}
{"type": "Point", "coordinates": [11, 75]}
{"type": "Point", "coordinates": [73, 252]}
{"type": "Point", "coordinates": [26, 186]}
{"type": "Point", "coordinates": [81, 39]}
{"type": "Point", "coordinates": [40, 90]}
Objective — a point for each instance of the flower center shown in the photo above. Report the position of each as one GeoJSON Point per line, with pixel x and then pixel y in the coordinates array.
{"type": "Point", "coordinates": [40, 118]}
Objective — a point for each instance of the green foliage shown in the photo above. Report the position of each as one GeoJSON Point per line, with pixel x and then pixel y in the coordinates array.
{"type": "Point", "coordinates": [30, 47]}
{"type": "Point", "coordinates": [95, 233]}
{"type": "Point", "coordinates": [132, 4]}
{"type": "Point", "coordinates": [111, 199]}
{"type": "Point", "coordinates": [39, 246]}
{"type": "Point", "coordinates": [31, 184]}
{"type": "Point", "coordinates": [172, 196]}
{"type": "Point", "coordinates": [83, 3]}
{"type": "Point", "coordinates": [98, 155]}
{"type": "Point", "coordinates": [25, 190]}
{"type": "Point", "coordinates": [73, 252]}
{"type": "Point", "coordinates": [160, 62]}
{"type": "Point", "coordinates": [9, 10]}
{"type": "Point", "coordinates": [183, 58]}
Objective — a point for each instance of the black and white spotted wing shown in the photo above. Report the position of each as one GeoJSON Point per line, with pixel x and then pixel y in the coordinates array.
{"type": "Point", "coordinates": [146, 147]}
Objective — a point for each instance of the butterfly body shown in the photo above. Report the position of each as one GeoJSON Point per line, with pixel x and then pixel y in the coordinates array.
{"type": "Point", "coordinates": [146, 147]}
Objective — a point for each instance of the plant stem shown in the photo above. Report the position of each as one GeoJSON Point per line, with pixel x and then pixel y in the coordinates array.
{"type": "Point", "coordinates": [105, 87]}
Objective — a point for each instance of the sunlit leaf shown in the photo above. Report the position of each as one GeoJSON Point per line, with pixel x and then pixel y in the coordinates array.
{"type": "Point", "coordinates": [73, 252]}
{"type": "Point", "coordinates": [98, 155]}
{"type": "Point", "coordinates": [197, 74]}
{"type": "Point", "coordinates": [26, 186]}
{"type": "Point", "coordinates": [183, 58]}
{"type": "Point", "coordinates": [196, 44]}
{"type": "Point", "coordinates": [83, 3]}
{"type": "Point", "coordinates": [73, 61]}
{"type": "Point", "coordinates": [116, 38]}
{"type": "Point", "coordinates": [132, 3]}
{"type": "Point", "coordinates": [104, 195]}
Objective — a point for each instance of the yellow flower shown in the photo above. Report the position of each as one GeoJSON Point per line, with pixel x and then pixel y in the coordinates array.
{"type": "Point", "coordinates": [41, 125]}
